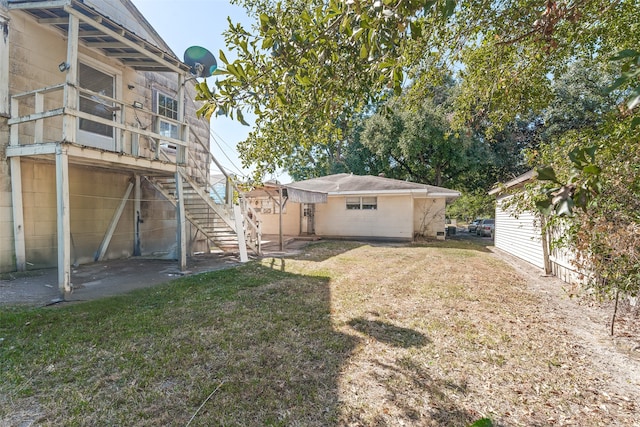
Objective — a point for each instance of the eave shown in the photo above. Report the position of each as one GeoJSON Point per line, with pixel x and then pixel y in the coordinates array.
{"type": "Point", "coordinates": [97, 31]}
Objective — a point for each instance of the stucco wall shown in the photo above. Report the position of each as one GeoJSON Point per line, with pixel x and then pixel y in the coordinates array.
{"type": "Point", "coordinates": [93, 197]}
{"type": "Point", "coordinates": [290, 221]}
{"type": "Point", "coordinates": [392, 219]}
{"type": "Point", "coordinates": [428, 216]}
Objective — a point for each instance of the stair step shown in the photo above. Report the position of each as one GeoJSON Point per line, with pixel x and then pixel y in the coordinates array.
{"type": "Point", "coordinates": [201, 212]}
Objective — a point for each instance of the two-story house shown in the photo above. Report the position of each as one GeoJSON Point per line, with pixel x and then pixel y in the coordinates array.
{"type": "Point", "coordinates": [101, 153]}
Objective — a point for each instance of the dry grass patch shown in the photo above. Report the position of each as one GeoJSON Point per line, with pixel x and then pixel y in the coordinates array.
{"type": "Point", "coordinates": [346, 334]}
{"type": "Point", "coordinates": [448, 333]}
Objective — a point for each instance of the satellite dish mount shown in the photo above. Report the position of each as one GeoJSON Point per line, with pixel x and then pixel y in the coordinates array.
{"type": "Point", "coordinates": [201, 61]}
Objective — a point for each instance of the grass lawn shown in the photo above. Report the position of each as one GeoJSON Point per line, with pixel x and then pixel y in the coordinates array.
{"type": "Point", "coordinates": [345, 334]}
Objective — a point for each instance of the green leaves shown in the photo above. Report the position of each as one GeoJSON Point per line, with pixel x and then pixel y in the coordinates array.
{"type": "Point", "coordinates": [630, 74]}
{"type": "Point", "coordinates": [307, 67]}
{"type": "Point", "coordinates": [582, 185]}
{"type": "Point", "coordinates": [483, 422]}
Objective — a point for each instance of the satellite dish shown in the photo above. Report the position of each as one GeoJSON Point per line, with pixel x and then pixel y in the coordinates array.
{"type": "Point", "coordinates": [201, 61]}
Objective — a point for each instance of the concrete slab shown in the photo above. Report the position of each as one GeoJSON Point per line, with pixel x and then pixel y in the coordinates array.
{"type": "Point", "coordinates": [114, 277]}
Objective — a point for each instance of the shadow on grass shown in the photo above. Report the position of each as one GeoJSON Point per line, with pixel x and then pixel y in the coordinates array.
{"type": "Point", "coordinates": [325, 249]}
{"type": "Point", "coordinates": [389, 334]}
{"type": "Point", "coordinates": [257, 342]}
{"type": "Point", "coordinates": [247, 346]}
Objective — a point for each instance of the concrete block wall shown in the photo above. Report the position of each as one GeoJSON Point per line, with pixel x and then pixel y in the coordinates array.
{"type": "Point", "coordinates": [94, 197]}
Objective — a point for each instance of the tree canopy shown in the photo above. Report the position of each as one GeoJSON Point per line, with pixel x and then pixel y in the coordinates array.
{"type": "Point", "coordinates": [306, 67]}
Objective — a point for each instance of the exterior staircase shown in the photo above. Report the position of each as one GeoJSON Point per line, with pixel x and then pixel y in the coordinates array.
{"type": "Point", "coordinates": [224, 224]}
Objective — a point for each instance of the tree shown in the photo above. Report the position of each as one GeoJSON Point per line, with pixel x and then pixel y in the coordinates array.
{"type": "Point", "coordinates": [306, 65]}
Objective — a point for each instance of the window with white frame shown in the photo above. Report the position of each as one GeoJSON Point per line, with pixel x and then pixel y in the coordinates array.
{"type": "Point", "coordinates": [364, 203]}
{"type": "Point", "coordinates": [167, 107]}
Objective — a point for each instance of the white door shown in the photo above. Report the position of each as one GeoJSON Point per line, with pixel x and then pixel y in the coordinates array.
{"type": "Point", "coordinates": [91, 133]}
{"type": "Point", "coordinates": [308, 212]}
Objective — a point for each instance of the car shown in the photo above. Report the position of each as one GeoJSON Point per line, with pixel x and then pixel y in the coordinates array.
{"type": "Point", "coordinates": [474, 225]}
{"type": "Point", "coordinates": [486, 227]}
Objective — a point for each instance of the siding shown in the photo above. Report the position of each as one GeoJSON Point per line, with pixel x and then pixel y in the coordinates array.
{"type": "Point", "coordinates": [518, 235]}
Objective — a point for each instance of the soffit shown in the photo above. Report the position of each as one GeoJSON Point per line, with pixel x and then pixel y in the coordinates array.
{"type": "Point", "coordinates": [97, 31]}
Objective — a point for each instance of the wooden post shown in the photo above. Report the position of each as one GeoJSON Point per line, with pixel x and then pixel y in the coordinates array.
{"type": "Point", "coordinates": [545, 245]}
{"type": "Point", "coordinates": [38, 132]}
{"type": "Point", "coordinates": [18, 214]}
{"type": "Point", "coordinates": [4, 64]}
{"type": "Point", "coordinates": [64, 223]}
{"type": "Point", "coordinates": [181, 150]}
{"type": "Point", "coordinates": [137, 216]}
{"type": "Point", "coordinates": [69, 122]}
{"type": "Point", "coordinates": [280, 219]}
{"type": "Point", "coordinates": [242, 243]}
{"type": "Point", "coordinates": [102, 249]}
{"type": "Point", "coordinates": [181, 225]}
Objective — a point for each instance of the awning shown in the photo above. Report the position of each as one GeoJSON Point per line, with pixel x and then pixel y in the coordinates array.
{"type": "Point", "coordinates": [304, 196]}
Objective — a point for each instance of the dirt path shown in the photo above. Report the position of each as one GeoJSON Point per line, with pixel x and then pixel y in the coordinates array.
{"type": "Point", "coordinates": [617, 357]}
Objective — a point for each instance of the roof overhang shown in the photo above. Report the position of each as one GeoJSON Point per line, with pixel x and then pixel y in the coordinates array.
{"type": "Point", "coordinates": [97, 31]}
{"type": "Point", "coordinates": [517, 182]}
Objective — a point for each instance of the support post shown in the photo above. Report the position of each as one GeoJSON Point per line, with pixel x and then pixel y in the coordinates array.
{"type": "Point", "coordinates": [64, 223]}
{"type": "Point", "coordinates": [545, 245]}
{"type": "Point", "coordinates": [18, 214]}
{"type": "Point", "coordinates": [38, 132]}
{"type": "Point", "coordinates": [137, 216]}
{"type": "Point", "coordinates": [242, 243]}
{"type": "Point", "coordinates": [71, 88]}
{"type": "Point", "coordinates": [4, 63]}
{"type": "Point", "coordinates": [281, 241]}
{"type": "Point", "coordinates": [181, 154]}
{"type": "Point", "coordinates": [102, 249]}
{"type": "Point", "coordinates": [181, 224]}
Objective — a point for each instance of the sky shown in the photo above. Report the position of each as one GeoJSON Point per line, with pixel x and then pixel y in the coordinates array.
{"type": "Point", "coordinates": [185, 23]}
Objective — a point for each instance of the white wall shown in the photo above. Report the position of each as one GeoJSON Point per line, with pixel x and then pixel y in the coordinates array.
{"type": "Point", "coordinates": [392, 219]}
{"type": "Point", "coordinates": [429, 216]}
{"type": "Point", "coordinates": [518, 234]}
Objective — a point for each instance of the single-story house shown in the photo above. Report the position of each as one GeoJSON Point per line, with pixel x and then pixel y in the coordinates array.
{"type": "Point", "coordinates": [522, 233]}
{"type": "Point", "coordinates": [352, 206]}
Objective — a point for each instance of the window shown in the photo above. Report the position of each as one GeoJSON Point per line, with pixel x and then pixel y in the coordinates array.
{"type": "Point", "coordinates": [368, 203]}
{"type": "Point", "coordinates": [101, 83]}
{"type": "Point", "coordinates": [167, 107]}
{"type": "Point", "coordinates": [353, 203]}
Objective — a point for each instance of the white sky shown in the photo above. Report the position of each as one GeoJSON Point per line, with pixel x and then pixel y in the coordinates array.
{"type": "Point", "coordinates": [184, 23]}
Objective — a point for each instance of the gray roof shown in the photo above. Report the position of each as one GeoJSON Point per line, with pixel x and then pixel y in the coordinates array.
{"type": "Point", "coordinates": [345, 183]}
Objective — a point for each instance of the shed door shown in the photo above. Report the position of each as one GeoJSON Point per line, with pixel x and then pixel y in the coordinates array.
{"type": "Point", "coordinates": [98, 84]}
{"type": "Point", "coordinates": [308, 212]}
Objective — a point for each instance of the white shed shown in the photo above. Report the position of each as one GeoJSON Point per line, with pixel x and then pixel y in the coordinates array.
{"type": "Point", "coordinates": [519, 233]}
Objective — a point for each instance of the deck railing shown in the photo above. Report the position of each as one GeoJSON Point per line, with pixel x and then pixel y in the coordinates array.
{"type": "Point", "coordinates": [37, 117]}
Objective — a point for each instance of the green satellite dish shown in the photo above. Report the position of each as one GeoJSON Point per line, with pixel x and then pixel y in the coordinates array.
{"type": "Point", "coordinates": [201, 61]}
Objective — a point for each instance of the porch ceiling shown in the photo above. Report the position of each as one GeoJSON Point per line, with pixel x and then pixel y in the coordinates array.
{"type": "Point", "coordinates": [97, 31]}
